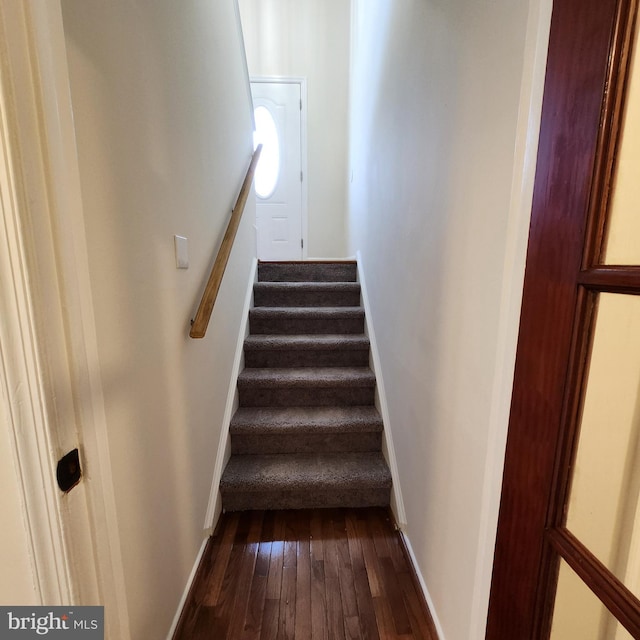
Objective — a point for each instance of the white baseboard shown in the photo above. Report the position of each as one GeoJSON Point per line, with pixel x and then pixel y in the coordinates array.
{"type": "Point", "coordinates": [185, 594]}
{"type": "Point", "coordinates": [397, 504]}
{"type": "Point", "coordinates": [224, 447]}
{"type": "Point", "coordinates": [423, 586]}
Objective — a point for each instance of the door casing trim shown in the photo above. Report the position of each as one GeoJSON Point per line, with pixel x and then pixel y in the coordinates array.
{"type": "Point", "coordinates": [77, 559]}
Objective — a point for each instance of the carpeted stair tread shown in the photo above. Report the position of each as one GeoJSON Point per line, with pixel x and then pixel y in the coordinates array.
{"type": "Point", "coordinates": [306, 320]}
{"type": "Point", "coordinates": [311, 342]}
{"type": "Point", "coordinates": [305, 294]}
{"type": "Point", "coordinates": [310, 271]}
{"type": "Point", "coordinates": [289, 420]}
{"type": "Point", "coordinates": [308, 312]}
{"type": "Point", "coordinates": [305, 472]}
{"type": "Point", "coordinates": [305, 377]}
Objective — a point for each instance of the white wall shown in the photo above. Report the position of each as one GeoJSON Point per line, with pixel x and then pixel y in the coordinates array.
{"type": "Point", "coordinates": [163, 124]}
{"type": "Point", "coordinates": [17, 585]}
{"type": "Point", "coordinates": [444, 103]}
{"type": "Point", "coordinates": [310, 38]}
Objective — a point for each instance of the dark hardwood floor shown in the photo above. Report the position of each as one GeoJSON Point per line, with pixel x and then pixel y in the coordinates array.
{"type": "Point", "coordinates": [323, 573]}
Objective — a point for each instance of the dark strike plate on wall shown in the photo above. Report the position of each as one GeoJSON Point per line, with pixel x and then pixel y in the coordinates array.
{"type": "Point", "coordinates": [69, 472]}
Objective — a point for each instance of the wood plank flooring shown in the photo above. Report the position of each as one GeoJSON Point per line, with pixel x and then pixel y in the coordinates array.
{"type": "Point", "coordinates": [321, 574]}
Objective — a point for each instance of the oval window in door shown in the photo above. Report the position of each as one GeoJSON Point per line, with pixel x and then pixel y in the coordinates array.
{"type": "Point", "coordinates": [268, 169]}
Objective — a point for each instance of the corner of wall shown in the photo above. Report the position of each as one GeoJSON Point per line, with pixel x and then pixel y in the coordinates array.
{"type": "Point", "coordinates": [423, 586]}
{"type": "Point", "coordinates": [524, 166]}
{"type": "Point", "coordinates": [397, 503]}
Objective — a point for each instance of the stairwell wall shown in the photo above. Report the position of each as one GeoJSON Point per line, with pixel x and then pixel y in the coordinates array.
{"type": "Point", "coordinates": [310, 39]}
{"type": "Point", "coordinates": [445, 104]}
{"type": "Point", "coordinates": [164, 135]}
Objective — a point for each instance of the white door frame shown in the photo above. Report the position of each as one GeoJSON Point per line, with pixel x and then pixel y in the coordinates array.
{"type": "Point", "coordinates": [303, 146]}
{"type": "Point", "coordinates": [48, 356]}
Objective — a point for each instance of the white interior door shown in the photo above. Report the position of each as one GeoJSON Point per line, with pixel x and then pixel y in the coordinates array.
{"type": "Point", "coordinates": [278, 181]}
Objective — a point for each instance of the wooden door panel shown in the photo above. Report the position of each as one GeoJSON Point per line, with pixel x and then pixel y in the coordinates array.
{"type": "Point", "coordinates": [581, 37]}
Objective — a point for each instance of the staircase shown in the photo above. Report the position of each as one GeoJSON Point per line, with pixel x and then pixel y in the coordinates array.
{"type": "Point", "coordinates": [306, 433]}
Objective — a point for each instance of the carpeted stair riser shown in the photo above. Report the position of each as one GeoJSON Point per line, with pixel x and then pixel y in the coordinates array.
{"type": "Point", "coordinates": [307, 271]}
{"type": "Point", "coordinates": [261, 444]}
{"type": "Point", "coordinates": [299, 481]}
{"type": "Point", "coordinates": [306, 351]}
{"type": "Point", "coordinates": [305, 294]}
{"type": "Point", "coordinates": [305, 358]}
{"type": "Point", "coordinates": [308, 420]}
{"type": "Point", "coordinates": [265, 430]}
{"type": "Point", "coordinates": [288, 397]}
{"type": "Point", "coordinates": [306, 320]}
{"type": "Point", "coordinates": [312, 498]}
{"type": "Point", "coordinates": [306, 387]}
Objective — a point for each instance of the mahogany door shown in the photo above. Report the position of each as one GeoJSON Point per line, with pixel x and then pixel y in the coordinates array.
{"type": "Point", "coordinates": [567, 558]}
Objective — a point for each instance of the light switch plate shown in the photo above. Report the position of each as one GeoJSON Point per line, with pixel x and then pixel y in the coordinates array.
{"type": "Point", "coordinates": [182, 252]}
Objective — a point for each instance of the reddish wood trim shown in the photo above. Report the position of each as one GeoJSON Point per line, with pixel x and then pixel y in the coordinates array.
{"type": "Point", "coordinates": [624, 605]}
{"type": "Point", "coordinates": [613, 279]}
{"type": "Point", "coordinates": [570, 423]}
{"type": "Point", "coordinates": [578, 371]}
{"type": "Point", "coordinates": [580, 40]}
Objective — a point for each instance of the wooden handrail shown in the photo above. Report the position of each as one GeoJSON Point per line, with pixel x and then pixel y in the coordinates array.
{"type": "Point", "coordinates": [201, 321]}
